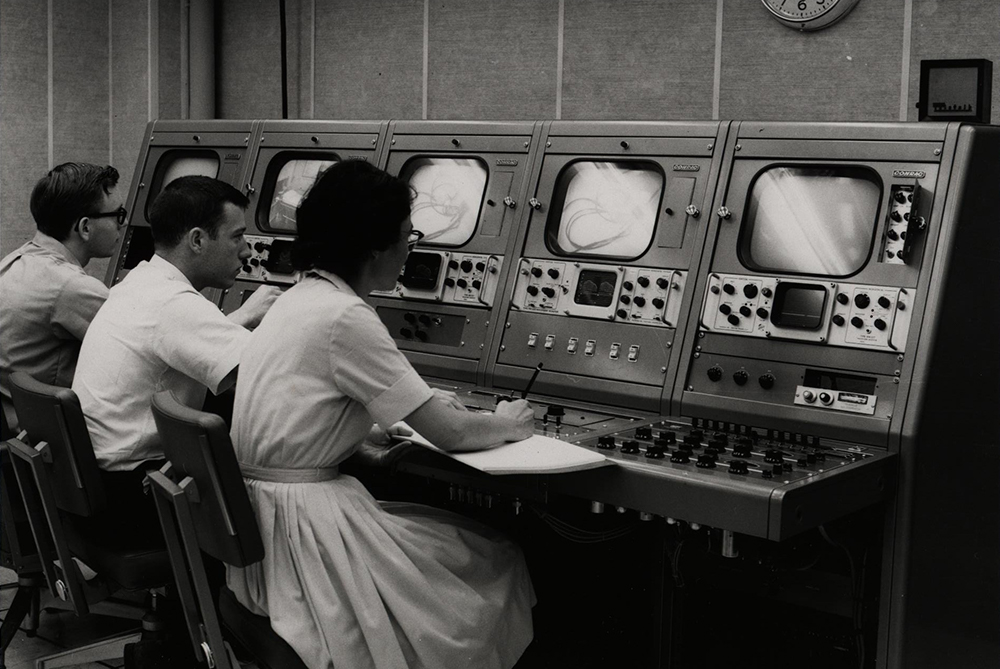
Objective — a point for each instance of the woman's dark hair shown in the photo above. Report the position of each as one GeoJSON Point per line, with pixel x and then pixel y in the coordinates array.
{"type": "Point", "coordinates": [191, 202]}
{"type": "Point", "coordinates": [68, 193]}
{"type": "Point", "coordinates": [354, 208]}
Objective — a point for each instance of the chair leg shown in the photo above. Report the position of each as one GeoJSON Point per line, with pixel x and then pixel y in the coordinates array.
{"type": "Point", "coordinates": [107, 649]}
{"type": "Point", "coordinates": [24, 605]}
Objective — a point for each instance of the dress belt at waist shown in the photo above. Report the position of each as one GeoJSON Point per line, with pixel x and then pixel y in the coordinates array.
{"type": "Point", "coordinates": [278, 475]}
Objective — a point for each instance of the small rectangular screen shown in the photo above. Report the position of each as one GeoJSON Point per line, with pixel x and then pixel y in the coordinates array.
{"type": "Point", "coordinates": [294, 180]}
{"type": "Point", "coordinates": [594, 288]}
{"type": "Point", "coordinates": [449, 194]}
{"type": "Point", "coordinates": [813, 220]}
{"type": "Point", "coordinates": [847, 383]}
{"type": "Point", "coordinates": [606, 208]}
{"type": "Point", "coordinates": [279, 257]}
{"type": "Point", "coordinates": [798, 306]}
{"type": "Point", "coordinates": [421, 271]}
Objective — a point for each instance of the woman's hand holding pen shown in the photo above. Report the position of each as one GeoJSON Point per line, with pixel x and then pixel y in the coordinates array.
{"type": "Point", "coordinates": [522, 415]}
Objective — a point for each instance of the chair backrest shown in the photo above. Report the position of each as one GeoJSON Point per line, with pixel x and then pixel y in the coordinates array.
{"type": "Point", "coordinates": [197, 445]}
{"type": "Point", "coordinates": [17, 548]}
{"type": "Point", "coordinates": [53, 415]}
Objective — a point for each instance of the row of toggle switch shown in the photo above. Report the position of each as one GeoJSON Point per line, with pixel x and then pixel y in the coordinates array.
{"type": "Point", "coordinates": [589, 347]}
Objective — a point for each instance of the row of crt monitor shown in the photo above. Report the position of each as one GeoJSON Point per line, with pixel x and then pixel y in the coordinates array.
{"type": "Point", "coordinates": [637, 261]}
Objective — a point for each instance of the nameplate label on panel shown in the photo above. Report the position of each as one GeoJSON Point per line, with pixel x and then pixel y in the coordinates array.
{"type": "Point", "coordinates": [506, 162]}
{"type": "Point", "coordinates": [909, 174]}
{"type": "Point", "coordinates": [687, 168]}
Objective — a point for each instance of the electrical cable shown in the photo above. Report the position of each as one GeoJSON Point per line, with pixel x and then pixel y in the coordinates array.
{"type": "Point", "coordinates": [284, 60]}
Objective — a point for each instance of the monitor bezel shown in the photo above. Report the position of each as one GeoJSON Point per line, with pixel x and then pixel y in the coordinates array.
{"type": "Point", "coordinates": [166, 158]}
{"type": "Point", "coordinates": [410, 159]}
{"type": "Point", "coordinates": [274, 165]}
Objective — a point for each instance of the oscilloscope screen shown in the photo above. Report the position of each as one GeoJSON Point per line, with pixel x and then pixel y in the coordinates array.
{"type": "Point", "coordinates": [288, 187]}
{"type": "Point", "coordinates": [179, 163]}
{"type": "Point", "coordinates": [816, 220]}
{"type": "Point", "coordinates": [605, 208]}
{"type": "Point", "coordinates": [449, 194]}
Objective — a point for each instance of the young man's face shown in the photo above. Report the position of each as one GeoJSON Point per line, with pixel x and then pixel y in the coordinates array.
{"type": "Point", "coordinates": [104, 229]}
{"type": "Point", "coordinates": [222, 257]}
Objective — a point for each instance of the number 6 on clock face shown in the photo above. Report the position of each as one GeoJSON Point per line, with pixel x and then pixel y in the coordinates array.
{"type": "Point", "coordinates": [808, 15]}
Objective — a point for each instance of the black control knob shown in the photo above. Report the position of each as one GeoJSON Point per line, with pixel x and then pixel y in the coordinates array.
{"type": "Point", "coordinates": [773, 456]}
{"type": "Point", "coordinates": [247, 268]}
{"type": "Point", "coordinates": [892, 234]}
{"type": "Point", "coordinates": [658, 302]}
{"type": "Point", "coordinates": [480, 265]}
{"type": "Point", "coordinates": [643, 281]}
{"type": "Point", "coordinates": [622, 313]}
{"type": "Point", "coordinates": [857, 322]}
{"type": "Point", "coordinates": [697, 435]}
{"type": "Point", "coordinates": [879, 324]}
{"type": "Point", "coordinates": [627, 285]}
{"type": "Point", "coordinates": [733, 319]}
{"type": "Point", "coordinates": [706, 461]}
{"type": "Point", "coordinates": [766, 474]}
{"type": "Point", "coordinates": [451, 282]}
{"type": "Point", "coordinates": [896, 216]}
{"type": "Point", "coordinates": [729, 289]}
{"type": "Point", "coordinates": [424, 319]}
{"type": "Point", "coordinates": [532, 290]}
{"type": "Point", "coordinates": [466, 265]}
{"type": "Point", "coordinates": [655, 452]}
{"type": "Point", "coordinates": [762, 313]}
{"type": "Point", "coordinates": [462, 283]}
{"type": "Point", "coordinates": [725, 309]}
{"type": "Point", "coordinates": [639, 301]}
{"type": "Point", "coordinates": [553, 272]}
{"type": "Point", "coordinates": [766, 292]}
{"type": "Point", "coordinates": [843, 298]}
{"type": "Point", "coordinates": [750, 290]}
{"type": "Point", "coordinates": [742, 451]}
{"type": "Point", "coordinates": [861, 301]}
{"type": "Point", "coordinates": [745, 310]}
{"type": "Point", "coordinates": [536, 271]}
{"type": "Point", "coordinates": [826, 398]}
{"type": "Point", "coordinates": [555, 410]}
{"type": "Point", "coordinates": [662, 283]}
{"type": "Point", "coordinates": [255, 261]}
{"type": "Point", "coordinates": [900, 197]}
{"type": "Point", "coordinates": [644, 432]}
{"type": "Point", "coordinates": [477, 284]}
{"type": "Point", "coordinates": [625, 299]}
{"type": "Point", "coordinates": [630, 447]}
{"type": "Point", "coordinates": [259, 247]}
{"type": "Point", "coordinates": [421, 335]}
{"type": "Point", "coordinates": [719, 441]}
{"type": "Point", "coordinates": [766, 381]}
{"type": "Point", "coordinates": [838, 319]}
{"type": "Point", "coordinates": [739, 467]}
{"type": "Point", "coordinates": [680, 457]}
{"type": "Point", "coordinates": [740, 377]}
{"type": "Point", "coordinates": [692, 441]}
{"type": "Point", "coordinates": [453, 264]}
{"type": "Point", "coordinates": [715, 373]}
{"type": "Point", "coordinates": [884, 302]}
{"type": "Point", "coordinates": [410, 318]}
{"type": "Point", "coordinates": [606, 443]}
{"type": "Point", "coordinates": [406, 333]}
{"type": "Point", "coordinates": [668, 436]}
{"type": "Point", "coordinates": [549, 291]}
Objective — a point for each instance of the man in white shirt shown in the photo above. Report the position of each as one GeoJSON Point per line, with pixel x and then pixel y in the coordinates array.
{"type": "Point", "coordinates": [48, 299]}
{"type": "Point", "coordinates": [156, 331]}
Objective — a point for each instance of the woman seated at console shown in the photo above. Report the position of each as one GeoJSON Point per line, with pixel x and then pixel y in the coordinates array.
{"type": "Point", "coordinates": [346, 580]}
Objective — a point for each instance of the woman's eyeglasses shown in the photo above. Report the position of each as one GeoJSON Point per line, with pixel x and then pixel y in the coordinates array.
{"type": "Point", "coordinates": [414, 237]}
{"type": "Point", "coordinates": [120, 214]}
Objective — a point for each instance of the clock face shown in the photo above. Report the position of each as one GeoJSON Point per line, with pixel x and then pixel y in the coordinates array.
{"type": "Point", "coordinates": [808, 14]}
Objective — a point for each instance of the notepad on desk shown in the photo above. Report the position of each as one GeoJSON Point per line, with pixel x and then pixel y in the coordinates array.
{"type": "Point", "coordinates": [535, 455]}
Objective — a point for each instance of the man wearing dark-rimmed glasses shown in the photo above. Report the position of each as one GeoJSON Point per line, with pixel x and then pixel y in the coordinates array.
{"type": "Point", "coordinates": [48, 299]}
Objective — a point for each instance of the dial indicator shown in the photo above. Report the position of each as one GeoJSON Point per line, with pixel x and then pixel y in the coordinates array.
{"type": "Point", "coordinates": [808, 15]}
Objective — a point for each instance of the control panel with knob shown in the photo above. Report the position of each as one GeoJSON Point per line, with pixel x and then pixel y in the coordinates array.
{"type": "Point", "coordinates": [270, 260]}
{"type": "Point", "coordinates": [451, 278]}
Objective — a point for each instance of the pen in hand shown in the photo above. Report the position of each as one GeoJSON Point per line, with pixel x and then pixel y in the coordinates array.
{"type": "Point", "coordinates": [531, 382]}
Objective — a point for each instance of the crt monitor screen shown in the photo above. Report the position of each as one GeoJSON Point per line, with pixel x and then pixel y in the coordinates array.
{"type": "Point", "coordinates": [811, 219]}
{"type": "Point", "coordinates": [448, 194]}
{"type": "Point", "coordinates": [288, 179]}
{"type": "Point", "coordinates": [182, 163]}
{"type": "Point", "coordinates": [605, 208]}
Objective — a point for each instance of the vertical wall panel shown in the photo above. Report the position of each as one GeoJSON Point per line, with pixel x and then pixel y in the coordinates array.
{"type": "Point", "coordinates": [848, 72]}
{"type": "Point", "coordinates": [645, 59]}
{"type": "Point", "coordinates": [954, 29]}
{"type": "Point", "coordinates": [80, 81]}
{"type": "Point", "coordinates": [492, 60]}
{"type": "Point", "coordinates": [129, 83]}
{"type": "Point", "coordinates": [24, 114]}
{"type": "Point", "coordinates": [368, 59]}
{"type": "Point", "coordinates": [168, 59]}
{"type": "Point", "coordinates": [249, 49]}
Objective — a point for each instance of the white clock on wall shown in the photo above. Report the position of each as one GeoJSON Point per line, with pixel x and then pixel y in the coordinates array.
{"type": "Point", "coordinates": [808, 14]}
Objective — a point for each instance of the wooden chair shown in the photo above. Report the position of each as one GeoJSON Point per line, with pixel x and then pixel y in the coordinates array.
{"type": "Point", "coordinates": [203, 506]}
{"type": "Point", "coordinates": [61, 488]}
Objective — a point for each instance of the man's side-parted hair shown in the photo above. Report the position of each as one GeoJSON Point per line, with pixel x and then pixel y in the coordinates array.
{"type": "Point", "coordinates": [354, 208]}
{"type": "Point", "coordinates": [68, 193]}
{"type": "Point", "coordinates": [191, 202]}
